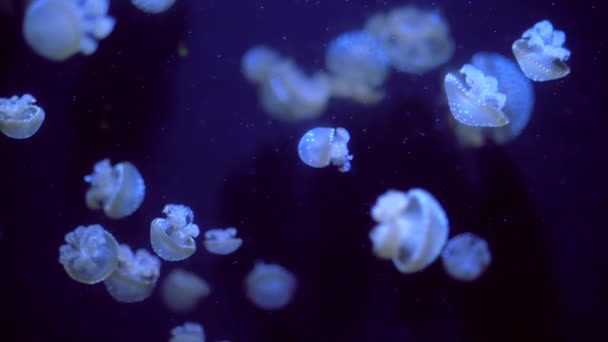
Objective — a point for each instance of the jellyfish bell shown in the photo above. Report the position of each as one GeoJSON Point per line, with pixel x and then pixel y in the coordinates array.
{"type": "Point", "coordinates": [182, 290]}
{"type": "Point", "coordinates": [222, 241]}
{"type": "Point", "coordinates": [466, 256]}
{"type": "Point", "coordinates": [20, 118]}
{"type": "Point", "coordinates": [188, 332]}
{"type": "Point", "coordinates": [172, 238]}
{"type": "Point", "coordinates": [270, 286]}
{"type": "Point", "coordinates": [322, 146]}
{"type": "Point", "coordinates": [153, 6]}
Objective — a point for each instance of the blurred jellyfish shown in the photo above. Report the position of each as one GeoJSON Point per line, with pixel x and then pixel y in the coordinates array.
{"type": "Point", "coordinates": [90, 254]}
{"type": "Point", "coordinates": [119, 190]}
{"type": "Point", "coordinates": [153, 6]}
{"type": "Point", "coordinates": [58, 29]}
{"type": "Point", "coordinates": [322, 146]}
{"type": "Point", "coordinates": [135, 275]}
{"type": "Point", "coordinates": [415, 40]}
{"type": "Point", "coordinates": [173, 238]}
{"type": "Point", "coordinates": [222, 241]}
{"type": "Point", "coordinates": [412, 229]}
{"type": "Point", "coordinates": [270, 286]}
{"type": "Point", "coordinates": [466, 256]}
{"type": "Point", "coordinates": [188, 332]}
{"type": "Point", "coordinates": [20, 118]}
{"type": "Point", "coordinates": [182, 290]}
{"type": "Point", "coordinates": [540, 52]}
{"type": "Point", "coordinates": [257, 63]}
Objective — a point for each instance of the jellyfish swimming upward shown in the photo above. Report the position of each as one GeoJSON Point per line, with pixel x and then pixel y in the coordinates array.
{"type": "Point", "coordinates": [20, 118]}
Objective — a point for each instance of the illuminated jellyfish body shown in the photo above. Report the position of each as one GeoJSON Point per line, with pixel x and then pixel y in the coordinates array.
{"type": "Point", "coordinates": [412, 229]}
{"type": "Point", "coordinates": [415, 40]}
{"type": "Point", "coordinates": [20, 118]}
{"type": "Point", "coordinates": [58, 29]}
{"type": "Point", "coordinates": [466, 256]}
{"type": "Point", "coordinates": [153, 6]}
{"type": "Point", "coordinates": [257, 63]}
{"type": "Point", "coordinates": [358, 66]}
{"type": "Point", "coordinates": [222, 241]}
{"type": "Point", "coordinates": [270, 286]}
{"type": "Point", "coordinates": [540, 52]}
{"type": "Point", "coordinates": [118, 190]}
{"type": "Point", "coordinates": [182, 290]}
{"type": "Point", "coordinates": [322, 146]}
{"type": "Point", "coordinates": [135, 276]}
{"type": "Point", "coordinates": [188, 332]}
{"type": "Point", "coordinates": [90, 254]}
{"type": "Point", "coordinates": [172, 238]}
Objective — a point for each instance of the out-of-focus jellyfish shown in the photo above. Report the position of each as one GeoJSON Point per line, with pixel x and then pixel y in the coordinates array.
{"type": "Point", "coordinates": [540, 52]}
{"type": "Point", "coordinates": [90, 254]}
{"type": "Point", "coordinates": [173, 238]}
{"type": "Point", "coordinates": [415, 40]}
{"type": "Point", "coordinates": [58, 29]}
{"type": "Point", "coordinates": [222, 241]}
{"type": "Point", "coordinates": [182, 290]}
{"type": "Point", "coordinates": [20, 118]}
{"type": "Point", "coordinates": [135, 275]}
{"type": "Point", "coordinates": [119, 190]}
{"type": "Point", "coordinates": [270, 286]}
{"type": "Point", "coordinates": [188, 332]}
{"type": "Point", "coordinates": [322, 146]}
{"type": "Point", "coordinates": [153, 6]}
{"type": "Point", "coordinates": [412, 229]}
{"type": "Point", "coordinates": [257, 63]}
{"type": "Point", "coordinates": [466, 256]}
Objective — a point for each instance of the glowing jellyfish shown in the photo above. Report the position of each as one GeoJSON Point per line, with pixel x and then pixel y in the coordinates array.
{"type": "Point", "coordinates": [20, 118]}
{"type": "Point", "coordinates": [322, 146]}
{"type": "Point", "coordinates": [412, 229]}
{"type": "Point", "coordinates": [118, 190]}
{"type": "Point", "coordinates": [466, 256]}
{"type": "Point", "coordinates": [270, 286]}
{"type": "Point", "coordinates": [182, 290]}
{"type": "Point", "coordinates": [153, 6]}
{"type": "Point", "coordinates": [173, 238]}
{"type": "Point", "coordinates": [222, 241]}
{"type": "Point", "coordinates": [257, 63]}
{"type": "Point", "coordinates": [135, 275]}
{"type": "Point", "coordinates": [188, 332]}
{"type": "Point", "coordinates": [540, 52]}
{"type": "Point", "coordinates": [58, 29]}
{"type": "Point", "coordinates": [415, 40]}
{"type": "Point", "coordinates": [90, 254]}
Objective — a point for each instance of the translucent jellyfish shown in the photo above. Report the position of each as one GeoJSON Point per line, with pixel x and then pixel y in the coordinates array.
{"type": "Point", "coordinates": [188, 332]}
{"type": "Point", "coordinates": [20, 118]}
{"type": "Point", "coordinates": [270, 286]}
{"type": "Point", "coordinates": [135, 276]}
{"type": "Point", "coordinates": [466, 256]}
{"type": "Point", "coordinates": [173, 238]}
{"type": "Point", "coordinates": [90, 254]}
{"type": "Point", "coordinates": [58, 29]}
{"type": "Point", "coordinates": [153, 6]}
{"type": "Point", "coordinates": [257, 63]}
{"type": "Point", "coordinates": [222, 241]}
{"type": "Point", "coordinates": [415, 40]}
{"type": "Point", "coordinates": [540, 52]}
{"type": "Point", "coordinates": [118, 190]}
{"type": "Point", "coordinates": [322, 146]}
{"type": "Point", "coordinates": [412, 229]}
{"type": "Point", "coordinates": [182, 290]}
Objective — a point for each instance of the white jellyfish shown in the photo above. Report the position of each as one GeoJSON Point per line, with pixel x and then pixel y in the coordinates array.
{"type": "Point", "coordinates": [270, 286]}
{"type": "Point", "coordinates": [58, 29]}
{"type": "Point", "coordinates": [188, 332]}
{"type": "Point", "coordinates": [118, 190]}
{"type": "Point", "coordinates": [173, 238]}
{"type": "Point", "coordinates": [466, 256]}
{"type": "Point", "coordinates": [222, 241]}
{"type": "Point", "coordinates": [182, 290]}
{"type": "Point", "coordinates": [90, 254]}
{"type": "Point", "coordinates": [135, 276]}
{"type": "Point", "coordinates": [20, 118]}
{"type": "Point", "coordinates": [153, 6]}
{"type": "Point", "coordinates": [540, 52]}
{"type": "Point", "coordinates": [257, 63]}
{"type": "Point", "coordinates": [322, 146]}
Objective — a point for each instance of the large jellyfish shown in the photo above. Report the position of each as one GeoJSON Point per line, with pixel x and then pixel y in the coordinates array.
{"type": "Point", "coordinates": [322, 146]}
{"type": "Point", "coordinates": [188, 332]}
{"type": "Point", "coordinates": [58, 29]}
{"type": "Point", "coordinates": [182, 290]}
{"type": "Point", "coordinates": [20, 118]}
{"type": "Point", "coordinates": [270, 286]}
{"type": "Point", "coordinates": [466, 256]}
{"type": "Point", "coordinates": [153, 6]}
{"type": "Point", "coordinates": [172, 238]}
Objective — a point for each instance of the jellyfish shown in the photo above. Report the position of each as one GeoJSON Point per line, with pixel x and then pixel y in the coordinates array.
{"type": "Point", "coordinates": [322, 146]}
{"type": "Point", "coordinates": [257, 63]}
{"type": "Point", "coordinates": [412, 229]}
{"type": "Point", "coordinates": [90, 254]}
{"type": "Point", "coordinates": [270, 286]}
{"type": "Point", "coordinates": [466, 256]}
{"type": "Point", "coordinates": [20, 118]}
{"type": "Point", "coordinates": [222, 241]}
{"type": "Point", "coordinates": [58, 29]}
{"type": "Point", "coordinates": [173, 238]}
{"type": "Point", "coordinates": [182, 290]}
{"type": "Point", "coordinates": [135, 276]}
{"type": "Point", "coordinates": [119, 190]}
{"type": "Point", "coordinates": [153, 6]}
{"type": "Point", "coordinates": [540, 52]}
{"type": "Point", "coordinates": [188, 332]}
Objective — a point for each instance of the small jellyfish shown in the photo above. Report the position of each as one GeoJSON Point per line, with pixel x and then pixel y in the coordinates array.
{"type": "Point", "coordinates": [20, 118]}
{"type": "Point", "coordinates": [182, 290]}
{"type": "Point", "coordinates": [322, 146]}
{"type": "Point", "coordinates": [466, 256]}
{"type": "Point", "coordinates": [135, 275]}
{"type": "Point", "coordinates": [222, 241]}
{"type": "Point", "coordinates": [173, 238]}
{"type": "Point", "coordinates": [540, 53]}
{"type": "Point", "coordinates": [90, 255]}
{"type": "Point", "coordinates": [58, 29]}
{"type": "Point", "coordinates": [119, 190]}
{"type": "Point", "coordinates": [153, 6]}
{"type": "Point", "coordinates": [270, 286]}
{"type": "Point", "coordinates": [188, 332]}
{"type": "Point", "coordinates": [257, 63]}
